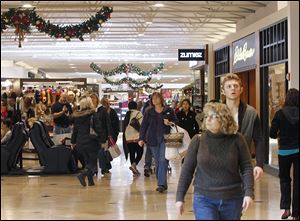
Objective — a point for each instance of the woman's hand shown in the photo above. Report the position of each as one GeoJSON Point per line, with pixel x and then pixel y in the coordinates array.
{"type": "Point", "coordinates": [180, 207]}
{"type": "Point", "coordinates": [141, 143]}
{"type": "Point", "coordinates": [167, 122]}
{"type": "Point", "coordinates": [248, 201]}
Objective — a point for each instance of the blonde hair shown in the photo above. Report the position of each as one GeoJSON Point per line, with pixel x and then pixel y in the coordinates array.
{"type": "Point", "coordinates": [85, 103]}
{"type": "Point", "coordinates": [225, 119]}
{"type": "Point", "coordinates": [229, 77]}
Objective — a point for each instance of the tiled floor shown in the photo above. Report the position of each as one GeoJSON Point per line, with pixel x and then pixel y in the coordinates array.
{"type": "Point", "coordinates": [119, 196]}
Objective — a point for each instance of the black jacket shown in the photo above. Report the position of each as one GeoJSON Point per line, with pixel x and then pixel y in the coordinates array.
{"type": "Point", "coordinates": [285, 126]}
{"type": "Point", "coordinates": [114, 119]}
{"type": "Point", "coordinates": [105, 124]}
{"type": "Point", "coordinates": [188, 122]}
{"type": "Point", "coordinates": [81, 132]}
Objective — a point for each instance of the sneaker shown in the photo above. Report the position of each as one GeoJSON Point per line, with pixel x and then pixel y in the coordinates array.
{"type": "Point", "coordinates": [286, 214]}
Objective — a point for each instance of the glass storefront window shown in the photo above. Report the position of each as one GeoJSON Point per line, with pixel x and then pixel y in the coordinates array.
{"type": "Point", "coordinates": [277, 91]}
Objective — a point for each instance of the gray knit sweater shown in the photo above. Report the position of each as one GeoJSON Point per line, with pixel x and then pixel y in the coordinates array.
{"type": "Point", "coordinates": [222, 166]}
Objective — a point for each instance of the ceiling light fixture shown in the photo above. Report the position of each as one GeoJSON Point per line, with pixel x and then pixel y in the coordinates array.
{"type": "Point", "coordinates": [159, 5]}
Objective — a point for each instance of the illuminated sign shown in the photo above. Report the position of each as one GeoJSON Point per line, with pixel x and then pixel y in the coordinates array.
{"type": "Point", "coordinates": [191, 54]}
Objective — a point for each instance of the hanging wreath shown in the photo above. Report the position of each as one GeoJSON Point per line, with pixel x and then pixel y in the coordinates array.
{"type": "Point", "coordinates": [129, 68]}
{"type": "Point", "coordinates": [22, 19]}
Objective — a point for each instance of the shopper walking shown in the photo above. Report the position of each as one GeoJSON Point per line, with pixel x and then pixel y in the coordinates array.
{"type": "Point", "coordinates": [285, 127]}
{"type": "Point", "coordinates": [133, 120]}
{"type": "Point", "coordinates": [87, 143]}
{"type": "Point", "coordinates": [103, 154]}
{"type": "Point", "coordinates": [156, 123]}
{"type": "Point", "coordinates": [247, 119]}
{"type": "Point", "coordinates": [220, 163]}
{"type": "Point", "coordinates": [187, 118]}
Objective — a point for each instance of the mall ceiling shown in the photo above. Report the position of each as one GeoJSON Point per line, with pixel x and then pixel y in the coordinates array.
{"type": "Point", "coordinates": [139, 32]}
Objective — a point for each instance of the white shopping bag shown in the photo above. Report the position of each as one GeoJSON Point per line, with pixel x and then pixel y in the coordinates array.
{"type": "Point", "coordinates": [178, 153]}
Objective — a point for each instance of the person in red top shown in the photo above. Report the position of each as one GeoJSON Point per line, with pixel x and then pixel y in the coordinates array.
{"type": "Point", "coordinates": [3, 109]}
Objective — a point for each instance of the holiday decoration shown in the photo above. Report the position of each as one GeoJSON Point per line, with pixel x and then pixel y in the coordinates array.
{"type": "Point", "coordinates": [22, 19]}
{"type": "Point", "coordinates": [129, 68]}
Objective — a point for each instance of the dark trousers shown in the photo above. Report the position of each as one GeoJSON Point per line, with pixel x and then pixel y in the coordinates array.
{"type": "Point", "coordinates": [148, 158]}
{"type": "Point", "coordinates": [89, 154]}
{"type": "Point", "coordinates": [104, 160]}
{"type": "Point", "coordinates": [136, 152]}
{"type": "Point", "coordinates": [285, 163]}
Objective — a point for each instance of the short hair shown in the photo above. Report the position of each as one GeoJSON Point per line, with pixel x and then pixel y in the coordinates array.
{"type": "Point", "coordinates": [186, 100]}
{"type": "Point", "coordinates": [225, 118]}
{"type": "Point", "coordinates": [132, 105]}
{"type": "Point", "coordinates": [85, 103]}
{"type": "Point", "coordinates": [7, 122]}
{"type": "Point", "coordinates": [160, 97]}
{"type": "Point", "coordinates": [292, 97]}
{"type": "Point", "coordinates": [229, 77]}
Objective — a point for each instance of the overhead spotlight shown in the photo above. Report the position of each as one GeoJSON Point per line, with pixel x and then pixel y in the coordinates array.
{"type": "Point", "coordinates": [148, 22]}
{"type": "Point", "coordinates": [159, 5]}
{"type": "Point", "coordinates": [27, 4]}
{"type": "Point", "coordinates": [141, 34]}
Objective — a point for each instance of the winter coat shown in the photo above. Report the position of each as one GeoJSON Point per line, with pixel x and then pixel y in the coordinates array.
{"type": "Point", "coordinates": [285, 126]}
{"type": "Point", "coordinates": [188, 122]}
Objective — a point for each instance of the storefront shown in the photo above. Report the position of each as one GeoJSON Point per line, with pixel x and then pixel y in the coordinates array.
{"type": "Point", "coordinates": [274, 80]}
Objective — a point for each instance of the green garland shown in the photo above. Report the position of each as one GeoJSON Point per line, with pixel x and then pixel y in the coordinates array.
{"type": "Point", "coordinates": [22, 19]}
{"type": "Point", "coordinates": [128, 68]}
{"type": "Point", "coordinates": [125, 68]}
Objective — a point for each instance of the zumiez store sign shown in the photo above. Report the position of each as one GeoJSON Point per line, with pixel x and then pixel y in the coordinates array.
{"type": "Point", "coordinates": [191, 54]}
{"type": "Point", "coordinates": [244, 54]}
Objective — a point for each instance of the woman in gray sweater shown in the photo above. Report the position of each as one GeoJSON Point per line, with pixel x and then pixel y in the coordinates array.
{"type": "Point", "coordinates": [221, 162]}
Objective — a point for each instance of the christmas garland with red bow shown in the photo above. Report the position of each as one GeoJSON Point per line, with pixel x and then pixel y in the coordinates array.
{"type": "Point", "coordinates": [22, 19]}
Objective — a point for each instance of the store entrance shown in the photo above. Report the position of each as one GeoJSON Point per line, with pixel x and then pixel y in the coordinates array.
{"type": "Point", "coordinates": [248, 81]}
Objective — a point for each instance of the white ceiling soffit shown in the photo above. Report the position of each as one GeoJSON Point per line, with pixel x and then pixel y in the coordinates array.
{"type": "Point", "coordinates": [138, 32]}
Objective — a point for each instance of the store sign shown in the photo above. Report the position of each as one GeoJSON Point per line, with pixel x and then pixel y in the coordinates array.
{"type": "Point", "coordinates": [244, 53]}
{"type": "Point", "coordinates": [191, 54]}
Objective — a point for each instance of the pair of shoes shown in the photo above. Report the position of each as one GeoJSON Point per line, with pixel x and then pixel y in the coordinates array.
{"type": "Point", "coordinates": [146, 173]}
{"type": "Point", "coordinates": [286, 214]}
{"type": "Point", "coordinates": [161, 189]}
{"type": "Point", "coordinates": [81, 178]}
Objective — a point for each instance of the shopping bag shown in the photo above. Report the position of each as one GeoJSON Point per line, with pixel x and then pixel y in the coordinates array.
{"type": "Point", "coordinates": [113, 148]}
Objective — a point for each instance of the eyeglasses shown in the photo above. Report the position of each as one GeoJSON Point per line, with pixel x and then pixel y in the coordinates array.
{"type": "Point", "coordinates": [212, 116]}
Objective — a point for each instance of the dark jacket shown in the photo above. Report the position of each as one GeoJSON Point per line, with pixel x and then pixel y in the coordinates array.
{"type": "Point", "coordinates": [250, 127]}
{"type": "Point", "coordinates": [188, 122]}
{"type": "Point", "coordinates": [151, 123]}
{"type": "Point", "coordinates": [81, 132]}
{"type": "Point", "coordinates": [114, 119]}
{"type": "Point", "coordinates": [285, 126]}
{"type": "Point", "coordinates": [105, 124]}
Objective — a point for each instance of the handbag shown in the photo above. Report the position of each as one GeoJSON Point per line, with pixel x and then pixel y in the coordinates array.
{"type": "Point", "coordinates": [179, 152]}
{"type": "Point", "coordinates": [113, 148]}
{"type": "Point", "coordinates": [174, 139]}
{"type": "Point", "coordinates": [135, 123]}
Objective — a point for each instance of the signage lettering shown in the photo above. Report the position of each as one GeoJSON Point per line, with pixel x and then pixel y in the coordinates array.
{"type": "Point", "coordinates": [191, 54]}
{"type": "Point", "coordinates": [242, 53]}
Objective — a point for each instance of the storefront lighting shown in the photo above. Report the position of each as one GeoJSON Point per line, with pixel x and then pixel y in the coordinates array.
{"type": "Point", "coordinates": [6, 83]}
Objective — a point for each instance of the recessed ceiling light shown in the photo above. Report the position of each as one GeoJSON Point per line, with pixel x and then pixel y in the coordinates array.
{"type": "Point", "coordinates": [141, 34]}
{"type": "Point", "coordinates": [159, 5]}
{"type": "Point", "coordinates": [148, 22]}
{"type": "Point", "coordinates": [27, 5]}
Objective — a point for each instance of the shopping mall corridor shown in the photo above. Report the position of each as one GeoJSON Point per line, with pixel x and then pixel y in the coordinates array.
{"type": "Point", "coordinates": [118, 196]}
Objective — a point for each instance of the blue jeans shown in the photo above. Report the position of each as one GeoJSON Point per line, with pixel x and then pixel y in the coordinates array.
{"type": "Point", "coordinates": [206, 208]}
{"type": "Point", "coordinates": [62, 130]}
{"type": "Point", "coordinates": [148, 158]}
{"type": "Point", "coordinates": [161, 163]}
